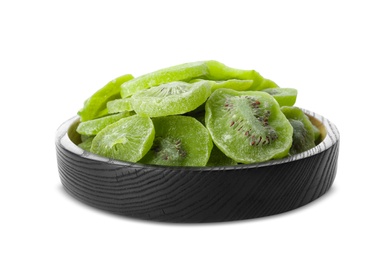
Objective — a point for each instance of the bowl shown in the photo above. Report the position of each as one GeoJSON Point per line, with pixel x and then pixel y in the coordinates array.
{"type": "Point", "coordinates": [197, 194]}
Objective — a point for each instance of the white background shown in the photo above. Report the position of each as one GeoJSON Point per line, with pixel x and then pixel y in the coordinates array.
{"type": "Point", "coordinates": [54, 54]}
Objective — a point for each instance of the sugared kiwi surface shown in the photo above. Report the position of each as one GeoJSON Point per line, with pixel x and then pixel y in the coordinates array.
{"type": "Point", "coordinates": [195, 114]}
{"type": "Point", "coordinates": [248, 126]}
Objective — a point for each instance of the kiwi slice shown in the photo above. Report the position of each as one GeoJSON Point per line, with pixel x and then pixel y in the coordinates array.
{"type": "Point", "coordinates": [236, 84]}
{"type": "Point", "coordinates": [317, 135]}
{"type": "Point", "coordinates": [266, 83]}
{"type": "Point", "coordinates": [95, 106]}
{"type": "Point", "coordinates": [119, 105]}
{"type": "Point", "coordinates": [182, 72]}
{"type": "Point", "coordinates": [84, 137]}
{"type": "Point", "coordinates": [92, 127]}
{"type": "Point", "coordinates": [303, 134]}
{"type": "Point", "coordinates": [211, 70]}
{"type": "Point", "coordinates": [86, 143]}
{"type": "Point", "coordinates": [170, 99]}
{"type": "Point", "coordinates": [128, 139]}
{"type": "Point", "coordinates": [219, 71]}
{"type": "Point", "coordinates": [284, 96]}
{"type": "Point", "coordinates": [248, 126]}
{"type": "Point", "coordinates": [179, 141]}
{"type": "Point", "coordinates": [218, 158]}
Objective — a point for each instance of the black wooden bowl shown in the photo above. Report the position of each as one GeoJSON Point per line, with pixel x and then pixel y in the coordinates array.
{"type": "Point", "coordinates": [197, 194]}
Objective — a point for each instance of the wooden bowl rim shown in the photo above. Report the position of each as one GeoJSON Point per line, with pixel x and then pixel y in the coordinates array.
{"type": "Point", "coordinates": [329, 133]}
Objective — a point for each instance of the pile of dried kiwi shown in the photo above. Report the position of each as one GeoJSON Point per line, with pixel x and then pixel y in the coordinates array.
{"type": "Point", "coordinates": [195, 114]}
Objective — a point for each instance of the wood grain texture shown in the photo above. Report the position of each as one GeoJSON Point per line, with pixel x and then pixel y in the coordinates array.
{"type": "Point", "coordinates": [197, 194]}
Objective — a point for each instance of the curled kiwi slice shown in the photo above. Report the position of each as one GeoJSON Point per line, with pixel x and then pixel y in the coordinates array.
{"type": "Point", "coordinates": [248, 126]}
{"type": "Point", "coordinates": [236, 84]}
{"type": "Point", "coordinates": [265, 84]}
{"type": "Point", "coordinates": [284, 96]}
{"type": "Point", "coordinates": [170, 99]}
{"type": "Point", "coordinates": [211, 70]}
{"type": "Point", "coordinates": [119, 105]}
{"type": "Point", "coordinates": [95, 106]}
{"type": "Point", "coordinates": [303, 134]}
{"type": "Point", "coordinates": [179, 141]}
{"type": "Point", "coordinates": [182, 72]}
{"type": "Point", "coordinates": [128, 139]}
{"type": "Point", "coordinates": [92, 127]}
{"type": "Point", "coordinates": [219, 71]}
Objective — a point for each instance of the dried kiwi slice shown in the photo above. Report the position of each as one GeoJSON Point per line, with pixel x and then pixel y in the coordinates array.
{"type": "Point", "coordinates": [119, 105]}
{"type": "Point", "coordinates": [284, 96]}
{"type": "Point", "coordinates": [303, 135]}
{"type": "Point", "coordinates": [265, 84]}
{"type": "Point", "coordinates": [128, 139]}
{"type": "Point", "coordinates": [86, 143]}
{"type": "Point", "coordinates": [248, 126]}
{"type": "Point", "coordinates": [317, 135]}
{"type": "Point", "coordinates": [95, 106]}
{"type": "Point", "coordinates": [218, 158]}
{"type": "Point", "coordinates": [219, 71]}
{"type": "Point", "coordinates": [92, 127]}
{"type": "Point", "coordinates": [182, 72]}
{"type": "Point", "coordinates": [170, 99]}
{"type": "Point", "coordinates": [179, 141]}
{"type": "Point", "coordinates": [211, 70]}
{"type": "Point", "coordinates": [236, 84]}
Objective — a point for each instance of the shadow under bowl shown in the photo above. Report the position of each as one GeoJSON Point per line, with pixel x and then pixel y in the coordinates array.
{"type": "Point", "coordinates": [197, 194]}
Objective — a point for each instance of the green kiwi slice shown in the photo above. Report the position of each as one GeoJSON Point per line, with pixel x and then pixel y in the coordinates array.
{"type": "Point", "coordinates": [265, 84]}
{"type": "Point", "coordinates": [95, 106]}
{"type": "Point", "coordinates": [236, 84]}
{"type": "Point", "coordinates": [170, 99]}
{"type": "Point", "coordinates": [218, 158]}
{"type": "Point", "coordinates": [248, 126]}
{"type": "Point", "coordinates": [284, 96]}
{"type": "Point", "coordinates": [128, 139]}
{"type": "Point", "coordinates": [303, 134]}
{"type": "Point", "coordinates": [84, 137]}
{"type": "Point", "coordinates": [182, 72]}
{"type": "Point", "coordinates": [211, 70]}
{"type": "Point", "coordinates": [86, 143]}
{"type": "Point", "coordinates": [219, 71]}
{"type": "Point", "coordinates": [179, 141]}
{"type": "Point", "coordinates": [92, 127]}
{"type": "Point", "coordinates": [119, 105]}
{"type": "Point", "coordinates": [317, 135]}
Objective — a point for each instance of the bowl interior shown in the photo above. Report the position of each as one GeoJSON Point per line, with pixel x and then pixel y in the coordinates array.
{"type": "Point", "coordinates": [72, 133]}
{"type": "Point", "coordinates": [319, 125]}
